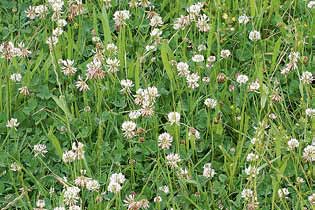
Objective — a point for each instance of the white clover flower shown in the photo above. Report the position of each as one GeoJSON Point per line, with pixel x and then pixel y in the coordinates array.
{"type": "Point", "coordinates": [61, 23]}
{"type": "Point", "coordinates": [71, 196]}
{"type": "Point", "coordinates": [164, 189]}
{"type": "Point", "coordinates": [254, 35]}
{"type": "Point", "coordinates": [115, 182]}
{"type": "Point", "coordinates": [68, 156]}
{"type": "Point", "coordinates": [310, 112]}
{"type": "Point", "coordinates": [67, 67]}
{"type": "Point", "coordinates": [283, 193]}
{"type": "Point", "coordinates": [243, 19]}
{"type": "Point", "coordinates": [247, 194]}
{"type": "Point", "coordinates": [52, 41]}
{"type": "Point", "coordinates": [181, 22]}
{"type": "Point", "coordinates": [16, 77]}
{"type": "Point", "coordinates": [307, 77]}
{"type": "Point", "coordinates": [12, 123]}
{"type": "Point", "coordinates": [120, 17]}
{"type": "Point", "coordinates": [57, 31]}
{"type": "Point", "coordinates": [165, 140]}
{"type": "Point", "coordinates": [254, 86]}
{"type": "Point", "coordinates": [118, 178]}
{"type": "Point", "coordinates": [15, 167]}
{"type": "Point", "coordinates": [60, 208]}
{"type": "Point", "coordinates": [202, 47]}
{"type": "Point", "coordinates": [75, 207]}
{"type": "Point", "coordinates": [210, 103]}
{"type": "Point", "coordinates": [112, 65]}
{"type": "Point", "coordinates": [156, 32]}
{"type": "Point", "coordinates": [40, 203]}
{"type": "Point", "coordinates": [126, 84]}
{"type": "Point", "coordinates": [225, 53]}
{"type": "Point", "coordinates": [311, 198]}
{"type": "Point", "coordinates": [251, 171]}
{"type": "Point", "coordinates": [92, 185]}
{"type": "Point", "coordinates": [182, 69]}
{"type": "Point", "coordinates": [111, 47]}
{"type": "Point", "coordinates": [293, 143]}
{"type": "Point", "coordinates": [311, 4]}
{"type": "Point", "coordinates": [150, 47]}
{"type": "Point", "coordinates": [192, 80]}
{"type": "Point", "coordinates": [40, 149]}
{"type": "Point", "coordinates": [251, 157]}
{"type": "Point", "coordinates": [173, 118]}
{"type": "Point", "coordinates": [129, 127]}
{"type": "Point", "coordinates": [208, 171]}
{"type": "Point", "coordinates": [173, 160]}
{"type": "Point", "coordinates": [242, 79]}
{"type": "Point", "coordinates": [134, 114]}
{"type": "Point", "coordinates": [81, 85]}
{"type": "Point", "coordinates": [203, 23]}
{"type": "Point", "coordinates": [198, 58]}
{"type": "Point", "coordinates": [156, 21]}
{"type": "Point", "coordinates": [309, 153]}
{"type": "Point", "coordinates": [157, 199]}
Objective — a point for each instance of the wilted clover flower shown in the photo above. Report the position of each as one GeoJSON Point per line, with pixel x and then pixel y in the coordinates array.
{"type": "Point", "coordinates": [192, 132]}
{"type": "Point", "coordinates": [24, 91]}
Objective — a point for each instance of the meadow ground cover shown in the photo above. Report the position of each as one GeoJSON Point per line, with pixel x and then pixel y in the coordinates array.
{"type": "Point", "coordinates": [162, 104]}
